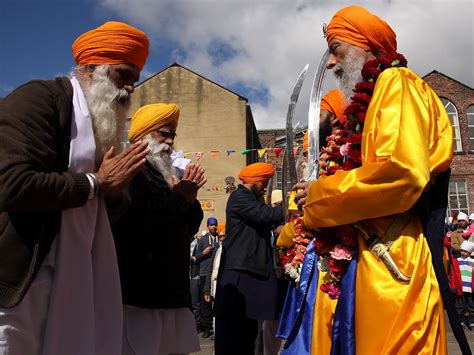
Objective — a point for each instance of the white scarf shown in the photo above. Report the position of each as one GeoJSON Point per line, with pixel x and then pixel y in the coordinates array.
{"type": "Point", "coordinates": [85, 309]}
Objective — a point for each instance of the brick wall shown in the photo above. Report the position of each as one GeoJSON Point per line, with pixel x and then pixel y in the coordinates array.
{"type": "Point", "coordinates": [462, 97]}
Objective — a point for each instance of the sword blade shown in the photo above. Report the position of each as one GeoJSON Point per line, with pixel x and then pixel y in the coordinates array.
{"type": "Point", "coordinates": [284, 189]}
{"type": "Point", "coordinates": [313, 119]}
{"type": "Point", "coordinates": [289, 125]}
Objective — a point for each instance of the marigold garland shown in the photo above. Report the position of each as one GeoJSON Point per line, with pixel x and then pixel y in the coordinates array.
{"type": "Point", "coordinates": [336, 245]}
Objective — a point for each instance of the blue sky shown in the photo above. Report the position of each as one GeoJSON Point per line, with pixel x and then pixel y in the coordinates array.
{"type": "Point", "coordinates": [255, 48]}
{"type": "Point", "coordinates": [36, 38]}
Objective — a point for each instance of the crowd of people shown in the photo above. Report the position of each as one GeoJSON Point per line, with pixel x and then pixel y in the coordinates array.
{"type": "Point", "coordinates": [100, 250]}
{"type": "Point", "coordinates": [459, 243]}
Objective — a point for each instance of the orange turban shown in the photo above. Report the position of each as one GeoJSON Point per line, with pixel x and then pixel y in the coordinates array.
{"type": "Point", "coordinates": [306, 141]}
{"type": "Point", "coordinates": [334, 102]}
{"type": "Point", "coordinates": [257, 172]}
{"type": "Point", "coordinates": [221, 228]}
{"type": "Point", "coordinates": [357, 26]}
{"type": "Point", "coordinates": [149, 118]}
{"type": "Point", "coordinates": [112, 43]}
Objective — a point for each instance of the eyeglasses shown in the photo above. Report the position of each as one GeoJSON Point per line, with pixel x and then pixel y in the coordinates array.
{"type": "Point", "coordinates": [167, 135]}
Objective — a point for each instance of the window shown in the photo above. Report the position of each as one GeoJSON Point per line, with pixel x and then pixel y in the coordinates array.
{"type": "Point", "coordinates": [453, 116]}
{"type": "Point", "coordinates": [457, 196]}
{"type": "Point", "coordinates": [470, 122]}
{"type": "Point", "coordinates": [278, 176]}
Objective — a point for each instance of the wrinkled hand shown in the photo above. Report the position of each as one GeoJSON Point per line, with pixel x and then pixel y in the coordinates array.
{"type": "Point", "coordinates": [195, 174]}
{"type": "Point", "coordinates": [116, 171]}
{"type": "Point", "coordinates": [193, 179]}
{"type": "Point", "coordinates": [300, 197]}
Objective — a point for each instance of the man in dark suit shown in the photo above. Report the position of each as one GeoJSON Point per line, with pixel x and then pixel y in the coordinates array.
{"type": "Point", "coordinates": [246, 284]}
{"type": "Point", "coordinates": [205, 248]}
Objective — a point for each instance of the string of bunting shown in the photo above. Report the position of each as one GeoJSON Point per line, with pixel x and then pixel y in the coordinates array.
{"type": "Point", "coordinates": [215, 153]}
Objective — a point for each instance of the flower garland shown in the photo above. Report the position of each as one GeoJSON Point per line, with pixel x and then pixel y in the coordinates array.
{"type": "Point", "coordinates": [336, 245]}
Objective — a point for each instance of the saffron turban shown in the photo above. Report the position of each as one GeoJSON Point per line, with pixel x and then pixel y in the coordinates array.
{"type": "Point", "coordinates": [334, 102]}
{"type": "Point", "coordinates": [306, 141]}
{"type": "Point", "coordinates": [150, 118]}
{"type": "Point", "coordinates": [257, 172]}
{"type": "Point", "coordinates": [357, 26]}
{"type": "Point", "coordinates": [221, 228]}
{"type": "Point", "coordinates": [112, 43]}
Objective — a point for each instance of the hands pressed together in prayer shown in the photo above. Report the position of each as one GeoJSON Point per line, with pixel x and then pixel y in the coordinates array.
{"type": "Point", "coordinates": [193, 179]}
{"type": "Point", "coordinates": [116, 171]}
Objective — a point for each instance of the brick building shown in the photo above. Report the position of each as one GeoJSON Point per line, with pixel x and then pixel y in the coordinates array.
{"type": "Point", "coordinates": [212, 119]}
{"type": "Point", "coordinates": [458, 99]}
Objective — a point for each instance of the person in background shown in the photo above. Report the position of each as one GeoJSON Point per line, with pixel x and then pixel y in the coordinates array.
{"type": "Point", "coordinates": [464, 270]}
{"type": "Point", "coordinates": [194, 283]}
{"type": "Point", "coordinates": [246, 284]}
{"type": "Point", "coordinates": [206, 246]}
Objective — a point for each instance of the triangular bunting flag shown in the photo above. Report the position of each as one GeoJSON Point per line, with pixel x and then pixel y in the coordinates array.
{"type": "Point", "coordinates": [198, 155]}
{"type": "Point", "coordinates": [185, 154]}
{"type": "Point", "coordinates": [261, 152]}
{"type": "Point", "coordinates": [245, 151]}
{"type": "Point", "coordinates": [277, 151]}
{"type": "Point", "coordinates": [230, 151]}
{"type": "Point", "coordinates": [214, 153]}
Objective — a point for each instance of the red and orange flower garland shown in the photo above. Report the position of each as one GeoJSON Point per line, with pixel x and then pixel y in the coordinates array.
{"type": "Point", "coordinates": [336, 245]}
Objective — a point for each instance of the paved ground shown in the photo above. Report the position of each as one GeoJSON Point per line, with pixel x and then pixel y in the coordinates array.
{"type": "Point", "coordinates": [207, 345]}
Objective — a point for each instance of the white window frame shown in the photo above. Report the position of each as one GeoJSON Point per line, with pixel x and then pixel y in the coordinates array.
{"type": "Point", "coordinates": [455, 185]}
{"type": "Point", "coordinates": [470, 126]}
{"type": "Point", "coordinates": [279, 178]}
{"type": "Point", "coordinates": [454, 117]}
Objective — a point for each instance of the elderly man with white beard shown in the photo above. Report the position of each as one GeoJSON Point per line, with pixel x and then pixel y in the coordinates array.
{"type": "Point", "coordinates": [375, 218]}
{"type": "Point", "coordinates": [60, 161]}
{"type": "Point", "coordinates": [152, 241]}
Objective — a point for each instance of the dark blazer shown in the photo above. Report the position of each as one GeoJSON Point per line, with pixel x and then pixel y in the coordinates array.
{"type": "Point", "coordinates": [247, 244]}
{"type": "Point", "coordinates": [152, 241]}
{"type": "Point", "coordinates": [205, 261]}
{"type": "Point", "coordinates": [35, 122]}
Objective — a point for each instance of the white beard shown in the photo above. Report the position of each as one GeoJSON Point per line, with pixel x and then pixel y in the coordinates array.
{"type": "Point", "coordinates": [108, 107]}
{"type": "Point", "coordinates": [349, 73]}
{"type": "Point", "coordinates": [160, 158]}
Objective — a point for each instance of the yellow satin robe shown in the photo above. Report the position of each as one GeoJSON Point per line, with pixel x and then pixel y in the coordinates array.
{"type": "Point", "coordinates": [407, 138]}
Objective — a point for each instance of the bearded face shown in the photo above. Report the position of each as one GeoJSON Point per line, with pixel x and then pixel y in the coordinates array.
{"type": "Point", "coordinates": [348, 73]}
{"type": "Point", "coordinates": [108, 107]}
{"type": "Point", "coordinates": [160, 158]}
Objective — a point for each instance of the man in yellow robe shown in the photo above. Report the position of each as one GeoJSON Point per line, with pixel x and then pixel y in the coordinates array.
{"type": "Point", "coordinates": [406, 141]}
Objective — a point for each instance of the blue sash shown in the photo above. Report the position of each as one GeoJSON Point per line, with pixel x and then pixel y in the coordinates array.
{"type": "Point", "coordinates": [296, 322]}
{"type": "Point", "coordinates": [343, 335]}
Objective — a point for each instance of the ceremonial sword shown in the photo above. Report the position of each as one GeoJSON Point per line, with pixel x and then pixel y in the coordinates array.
{"type": "Point", "coordinates": [313, 119]}
{"type": "Point", "coordinates": [289, 158]}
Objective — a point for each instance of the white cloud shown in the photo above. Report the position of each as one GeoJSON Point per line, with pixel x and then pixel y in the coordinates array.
{"type": "Point", "coordinates": [273, 40]}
